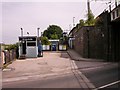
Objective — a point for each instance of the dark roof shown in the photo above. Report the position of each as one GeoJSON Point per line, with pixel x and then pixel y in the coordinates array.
{"type": "Point", "coordinates": [72, 30]}
{"type": "Point", "coordinates": [116, 7]}
{"type": "Point", "coordinates": [27, 36]}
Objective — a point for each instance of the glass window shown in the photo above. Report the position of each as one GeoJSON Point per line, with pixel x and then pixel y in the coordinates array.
{"type": "Point", "coordinates": [113, 15]}
{"type": "Point", "coordinates": [31, 44]}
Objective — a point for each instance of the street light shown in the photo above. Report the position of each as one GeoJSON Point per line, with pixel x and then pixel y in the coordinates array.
{"type": "Point", "coordinates": [21, 32]}
{"type": "Point", "coordinates": [38, 31]}
{"type": "Point", "coordinates": [73, 21]}
{"type": "Point", "coordinates": [28, 33]}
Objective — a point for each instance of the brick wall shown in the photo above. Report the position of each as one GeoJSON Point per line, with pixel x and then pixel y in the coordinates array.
{"type": "Point", "coordinates": [90, 42]}
{"type": "Point", "coordinates": [100, 41]}
{"type": "Point", "coordinates": [78, 42]}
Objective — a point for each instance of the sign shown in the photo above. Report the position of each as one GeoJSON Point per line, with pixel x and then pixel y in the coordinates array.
{"type": "Point", "coordinates": [27, 38]}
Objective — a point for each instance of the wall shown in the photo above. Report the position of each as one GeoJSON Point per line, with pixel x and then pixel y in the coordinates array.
{"type": "Point", "coordinates": [115, 41]}
{"type": "Point", "coordinates": [94, 41]}
{"type": "Point", "coordinates": [7, 57]}
{"type": "Point", "coordinates": [101, 41]}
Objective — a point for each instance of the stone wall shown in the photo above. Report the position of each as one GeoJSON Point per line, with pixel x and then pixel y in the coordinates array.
{"type": "Point", "coordinates": [101, 41]}
{"type": "Point", "coordinates": [90, 42]}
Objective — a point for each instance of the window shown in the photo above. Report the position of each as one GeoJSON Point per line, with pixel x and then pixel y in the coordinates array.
{"type": "Point", "coordinates": [117, 12]}
{"type": "Point", "coordinates": [113, 15]}
{"type": "Point", "coordinates": [31, 44]}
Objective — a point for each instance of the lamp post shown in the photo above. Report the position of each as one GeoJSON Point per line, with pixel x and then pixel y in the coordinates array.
{"type": "Point", "coordinates": [28, 33]}
{"type": "Point", "coordinates": [116, 1]}
{"type": "Point", "coordinates": [21, 32]}
{"type": "Point", "coordinates": [38, 31]}
{"type": "Point", "coordinates": [41, 34]}
{"type": "Point", "coordinates": [22, 40]}
{"type": "Point", "coordinates": [73, 21]}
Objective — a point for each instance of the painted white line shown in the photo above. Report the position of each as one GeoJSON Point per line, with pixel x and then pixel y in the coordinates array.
{"type": "Point", "coordinates": [107, 85]}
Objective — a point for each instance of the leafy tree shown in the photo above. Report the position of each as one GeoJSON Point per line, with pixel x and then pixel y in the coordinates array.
{"type": "Point", "coordinates": [11, 46]}
{"type": "Point", "coordinates": [53, 32]}
{"type": "Point", "coordinates": [54, 36]}
{"type": "Point", "coordinates": [45, 41]}
{"type": "Point", "coordinates": [90, 19]}
{"type": "Point", "coordinates": [99, 22]}
{"type": "Point", "coordinates": [82, 23]}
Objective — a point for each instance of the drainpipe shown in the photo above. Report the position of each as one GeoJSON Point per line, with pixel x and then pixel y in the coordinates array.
{"type": "Point", "coordinates": [116, 3]}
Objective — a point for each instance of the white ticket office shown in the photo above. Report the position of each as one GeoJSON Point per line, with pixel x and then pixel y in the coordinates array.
{"type": "Point", "coordinates": [28, 46]}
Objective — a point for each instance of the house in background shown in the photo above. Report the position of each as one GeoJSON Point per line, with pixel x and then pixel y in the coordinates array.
{"type": "Point", "coordinates": [72, 37]}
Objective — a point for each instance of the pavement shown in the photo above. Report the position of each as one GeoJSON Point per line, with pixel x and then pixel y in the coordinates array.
{"type": "Point", "coordinates": [75, 56]}
{"type": "Point", "coordinates": [85, 63]}
{"type": "Point", "coordinates": [50, 65]}
{"type": "Point", "coordinates": [47, 65]}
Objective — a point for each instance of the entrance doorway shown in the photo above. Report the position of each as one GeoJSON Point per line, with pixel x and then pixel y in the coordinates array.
{"type": "Point", "coordinates": [53, 47]}
{"type": "Point", "coordinates": [24, 47]}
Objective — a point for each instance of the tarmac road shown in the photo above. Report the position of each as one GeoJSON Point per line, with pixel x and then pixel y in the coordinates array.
{"type": "Point", "coordinates": [65, 81]}
{"type": "Point", "coordinates": [101, 73]}
{"type": "Point", "coordinates": [102, 76]}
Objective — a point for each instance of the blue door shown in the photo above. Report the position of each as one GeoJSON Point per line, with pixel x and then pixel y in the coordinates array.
{"type": "Point", "coordinates": [53, 47]}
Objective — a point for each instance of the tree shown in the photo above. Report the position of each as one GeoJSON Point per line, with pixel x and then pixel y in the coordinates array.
{"type": "Point", "coordinates": [54, 36]}
{"type": "Point", "coordinates": [99, 22]}
{"type": "Point", "coordinates": [11, 46]}
{"type": "Point", "coordinates": [82, 23]}
{"type": "Point", "coordinates": [45, 41]}
{"type": "Point", "coordinates": [53, 32]}
{"type": "Point", "coordinates": [90, 19]}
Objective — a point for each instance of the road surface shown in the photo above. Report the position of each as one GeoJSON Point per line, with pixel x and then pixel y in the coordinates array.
{"type": "Point", "coordinates": [102, 75]}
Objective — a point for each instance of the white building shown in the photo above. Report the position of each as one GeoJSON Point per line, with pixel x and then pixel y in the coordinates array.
{"type": "Point", "coordinates": [28, 46]}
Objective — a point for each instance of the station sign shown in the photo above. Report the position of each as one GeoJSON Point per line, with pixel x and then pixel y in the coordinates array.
{"type": "Point", "coordinates": [27, 38]}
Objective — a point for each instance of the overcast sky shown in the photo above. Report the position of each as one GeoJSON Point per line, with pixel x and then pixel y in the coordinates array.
{"type": "Point", "coordinates": [31, 15]}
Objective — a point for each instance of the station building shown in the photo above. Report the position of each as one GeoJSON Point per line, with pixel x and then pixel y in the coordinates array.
{"type": "Point", "coordinates": [28, 46]}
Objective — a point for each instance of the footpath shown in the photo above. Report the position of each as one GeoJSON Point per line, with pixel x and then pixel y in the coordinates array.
{"type": "Point", "coordinates": [75, 56]}
{"type": "Point", "coordinates": [85, 63]}
{"type": "Point", "coordinates": [49, 65]}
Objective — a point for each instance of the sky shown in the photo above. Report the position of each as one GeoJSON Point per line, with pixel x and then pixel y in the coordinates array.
{"type": "Point", "coordinates": [31, 15]}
